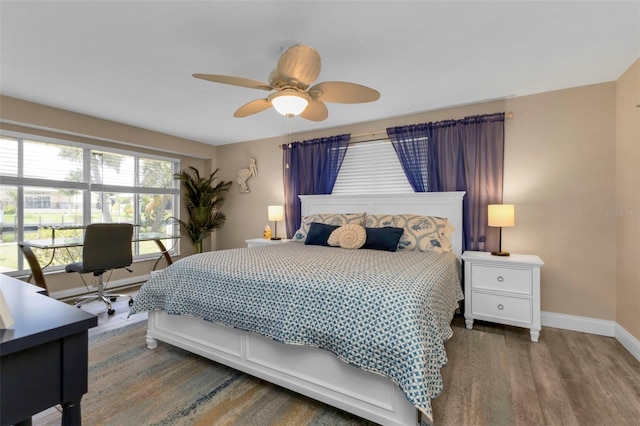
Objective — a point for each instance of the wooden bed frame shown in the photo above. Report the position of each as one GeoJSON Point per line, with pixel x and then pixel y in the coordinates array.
{"type": "Point", "coordinates": [313, 372]}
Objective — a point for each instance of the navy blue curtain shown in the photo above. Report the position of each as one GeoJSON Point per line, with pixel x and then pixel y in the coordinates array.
{"type": "Point", "coordinates": [466, 155]}
{"type": "Point", "coordinates": [310, 167]}
{"type": "Point", "coordinates": [411, 146]}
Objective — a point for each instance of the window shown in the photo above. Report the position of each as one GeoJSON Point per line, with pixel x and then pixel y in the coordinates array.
{"type": "Point", "coordinates": [371, 168]}
{"type": "Point", "coordinates": [45, 183]}
{"type": "Point", "coordinates": [37, 201]}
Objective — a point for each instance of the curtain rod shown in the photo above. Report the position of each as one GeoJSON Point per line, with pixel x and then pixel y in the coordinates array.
{"type": "Point", "coordinates": [382, 134]}
{"type": "Point", "coordinates": [374, 136]}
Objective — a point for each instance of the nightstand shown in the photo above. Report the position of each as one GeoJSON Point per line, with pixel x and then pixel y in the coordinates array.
{"type": "Point", "coordinates": [257, 242]}
{"type": "Point", "coordinates": [502, 289]}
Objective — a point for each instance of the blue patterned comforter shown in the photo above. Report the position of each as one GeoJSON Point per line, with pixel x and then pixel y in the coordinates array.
{"type": "Point", "coordinates": [385, 312]}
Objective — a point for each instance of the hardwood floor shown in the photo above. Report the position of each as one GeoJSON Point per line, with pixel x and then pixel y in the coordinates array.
{"type": "Point", "coordinates": [119, 319]}
{"type": "Point", "coordinates": [567, 378]}
{"type": "Point", "coordinates": [499, 377]}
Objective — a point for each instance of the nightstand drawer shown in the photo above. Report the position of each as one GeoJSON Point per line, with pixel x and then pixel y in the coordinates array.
{"type": "Point", "coordinates": [515, 280]}
{"type": "Point", "coordinates": [502, 307]}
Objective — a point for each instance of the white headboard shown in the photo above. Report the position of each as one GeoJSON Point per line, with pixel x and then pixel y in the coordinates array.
{"type": "Point", "coordinates": [442, 204]}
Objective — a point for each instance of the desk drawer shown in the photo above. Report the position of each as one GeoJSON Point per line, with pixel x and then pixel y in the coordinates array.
{"type": "Point", "coordinates": [502, 307]}
{"type": "Point", "coordinates": [514, 280]}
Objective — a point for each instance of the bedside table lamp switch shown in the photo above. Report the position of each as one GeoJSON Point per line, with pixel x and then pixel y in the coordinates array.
{"type": "Point", "coordinates": [276, 213]}
{"type": "Point", "coordinates": [501, 215]}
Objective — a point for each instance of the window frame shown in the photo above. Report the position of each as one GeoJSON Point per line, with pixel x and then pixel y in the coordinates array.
{"type": "Point", "coordinates": [86, 188]}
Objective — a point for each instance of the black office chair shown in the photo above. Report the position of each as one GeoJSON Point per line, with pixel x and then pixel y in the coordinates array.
{"type": "Point", "coordinates": [107, 246]}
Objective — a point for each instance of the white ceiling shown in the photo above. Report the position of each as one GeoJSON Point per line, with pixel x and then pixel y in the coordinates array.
{"type": "Point", "coordinates": [132, 62]}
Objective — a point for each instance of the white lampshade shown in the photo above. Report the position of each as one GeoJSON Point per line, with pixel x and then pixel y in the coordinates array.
{"type": "Point", "coordinates": [289, 102]}
{"type": "Point", "coordinates": [276, 213]}
{"type": "Point", "coordinates": [501, 215]}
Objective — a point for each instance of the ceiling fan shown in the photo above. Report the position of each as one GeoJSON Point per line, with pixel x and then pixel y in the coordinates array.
{"type": "Point", "coordinates": [297, 68]}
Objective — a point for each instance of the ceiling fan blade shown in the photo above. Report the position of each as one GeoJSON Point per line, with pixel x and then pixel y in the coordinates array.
{"type": "Point", "coordinates": [234, 81]}
{"type": "Point", "coordinates": [343, 93]}
{"type": "Point", "coordinates": [252, 107]}
{"type": "Point", "coordinates": [315, 111]}
{"type": "Point", "coordinates": [301, 64]}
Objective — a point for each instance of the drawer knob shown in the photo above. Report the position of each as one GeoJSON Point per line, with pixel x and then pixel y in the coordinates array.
{"type": "Point", "coordinates": [500, 279]}
{"type": "Point", "coordinates": [500, 306]}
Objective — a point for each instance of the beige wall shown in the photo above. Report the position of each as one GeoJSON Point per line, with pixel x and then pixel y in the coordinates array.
{"type": "Point", "coordinates": [247, 212]}
{"type": "Point", "coordinates": [559, 171]}
{"type": "Point", "coordinates": [628, 199]}
{"type": "Point", "coordinates": [37, 116]}
{"type": "Point", "coordinates": [40, 120]}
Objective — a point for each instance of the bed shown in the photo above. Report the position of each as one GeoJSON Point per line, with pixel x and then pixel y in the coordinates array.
{"type": "Point", "coordinates": [339, 362]}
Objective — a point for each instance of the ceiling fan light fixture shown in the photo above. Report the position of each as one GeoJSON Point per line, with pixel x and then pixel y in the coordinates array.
{"type": "Point", "coordinates": [289, 102]}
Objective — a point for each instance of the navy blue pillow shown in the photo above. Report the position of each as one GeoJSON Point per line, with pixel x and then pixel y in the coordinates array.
{"type": "Point", "coordinates": [386, 238]}
{"type": "Point", "coordinates": [319, 234]}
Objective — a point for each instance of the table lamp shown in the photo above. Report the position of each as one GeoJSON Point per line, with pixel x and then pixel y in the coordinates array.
{"type": "Point", "coordinates": [501, 215]}
{"type": "Point", "coordinates": [276, 213]}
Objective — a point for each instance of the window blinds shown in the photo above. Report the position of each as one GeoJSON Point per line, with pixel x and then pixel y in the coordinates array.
{"type": "Point", "coordinates": [371, 168]}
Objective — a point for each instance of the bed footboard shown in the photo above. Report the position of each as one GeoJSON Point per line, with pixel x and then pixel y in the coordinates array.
{"type": "Point", "coordinates": [313, 372]}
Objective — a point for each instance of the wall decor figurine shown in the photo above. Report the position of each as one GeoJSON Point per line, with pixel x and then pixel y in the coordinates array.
{"type": "Point", "coordinates": [245, 174]}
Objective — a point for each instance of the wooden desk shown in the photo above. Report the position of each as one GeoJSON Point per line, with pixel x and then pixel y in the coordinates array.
{"type": "Point", "coordinates": [43, 356]}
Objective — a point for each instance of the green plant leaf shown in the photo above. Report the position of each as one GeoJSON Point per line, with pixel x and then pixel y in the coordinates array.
{"type": "Point", "coordinates": [203, 201]}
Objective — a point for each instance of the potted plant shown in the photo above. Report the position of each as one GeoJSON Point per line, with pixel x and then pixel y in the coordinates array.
{"type": "Point", "coordinates": [203, 201]}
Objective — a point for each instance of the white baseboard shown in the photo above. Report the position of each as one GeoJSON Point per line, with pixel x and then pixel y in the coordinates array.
{"type": "Point", "coordinates": [112, 286]}
{"type": "Point", "coordinates": [627, 340]}
{"type": "Point", "coordinates": [592, 326]}
{"type": "Point", "coordinates": [576, 323]}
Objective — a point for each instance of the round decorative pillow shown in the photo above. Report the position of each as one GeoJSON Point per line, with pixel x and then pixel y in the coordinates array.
{"type": "Point", "coordinates": [352, 236]}
{"type": "Point", "coordinates": [334, 238]}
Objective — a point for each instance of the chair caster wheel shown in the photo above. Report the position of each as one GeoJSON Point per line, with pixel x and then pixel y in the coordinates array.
{"type": "Point", "coordinates": [113, 299]}
{"type": "Point", "coordinates": [111, 312]}
{"type": "Point", "coordinates": [130, 302]}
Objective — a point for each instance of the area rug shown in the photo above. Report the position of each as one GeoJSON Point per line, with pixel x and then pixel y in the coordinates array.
{"type": "Point", "coordinates": [132, 385]}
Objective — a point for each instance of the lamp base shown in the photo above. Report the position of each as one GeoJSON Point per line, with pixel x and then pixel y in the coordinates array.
{"type": "Point", "coordinates": [275, 233]}
{"type": "Point", "coordinates": [500, 253]}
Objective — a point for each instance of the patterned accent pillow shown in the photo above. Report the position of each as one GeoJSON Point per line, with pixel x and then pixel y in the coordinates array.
{"type": "Point", "coordinates": [445, 236]}
{"type": "Point", "coordinates": [334, 238]}
{"type": "Point", "coordinates": [337, 219]}
{"type": "Point", "coordinates": [421, 233]}
{"type": "Point", "coordinates": [352, 236]}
